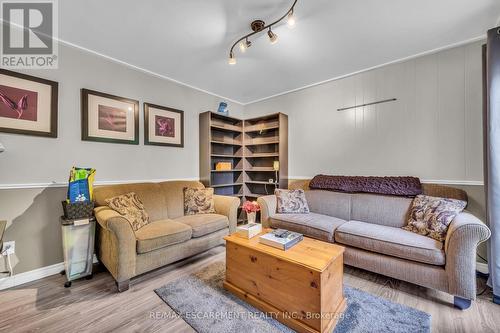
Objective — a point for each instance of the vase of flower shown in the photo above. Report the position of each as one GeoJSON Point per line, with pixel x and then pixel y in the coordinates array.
{"type": "Point", "coordinates": [251, 208]}
{"type": "Point", "coordinates": [251, 217]}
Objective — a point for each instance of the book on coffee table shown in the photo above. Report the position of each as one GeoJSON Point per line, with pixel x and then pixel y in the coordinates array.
{"type": "Point", "coordinates": [281, 239]}
{"type": "Point", "coordinates": [249, 230]}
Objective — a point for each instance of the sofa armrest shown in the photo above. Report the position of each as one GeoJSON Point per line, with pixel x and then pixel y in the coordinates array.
{"type": "Point", "coordinates": [117, 244]}
{"type": "Point", "coordinates": [228, 206]}
{"type": "Point", "coordinates": [267, 209]}
{"type": "Point", "coordinates": [464, 234]}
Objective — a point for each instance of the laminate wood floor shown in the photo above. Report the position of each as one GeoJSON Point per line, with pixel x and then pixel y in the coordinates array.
{"type": "Point", "coordinates": [95, 306]}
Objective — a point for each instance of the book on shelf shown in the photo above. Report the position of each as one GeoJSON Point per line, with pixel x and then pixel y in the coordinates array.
{"type": "Point", "coordinates": [281, 239]}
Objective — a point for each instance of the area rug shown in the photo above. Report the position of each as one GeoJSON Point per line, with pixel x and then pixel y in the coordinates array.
{"type": "Point", "coordinates": [205, 305]}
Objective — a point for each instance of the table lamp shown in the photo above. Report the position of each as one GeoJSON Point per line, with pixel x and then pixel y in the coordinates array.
{"type": "Point", "coordinates": [276, 168]}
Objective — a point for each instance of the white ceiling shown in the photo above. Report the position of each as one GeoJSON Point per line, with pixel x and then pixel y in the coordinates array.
{"type": "Point", "coordinates": [188, 40]}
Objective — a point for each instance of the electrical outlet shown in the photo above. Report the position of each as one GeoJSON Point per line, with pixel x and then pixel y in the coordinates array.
{"type": "Point", "coordinates": [9, 247]}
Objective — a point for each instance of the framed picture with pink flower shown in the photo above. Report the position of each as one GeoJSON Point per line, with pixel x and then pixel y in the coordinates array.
{"type": "Point", "coordinates": [163, 126]}
{"type": "Point", "coordinates": [109, 118]}
{"type": "Point", "coordinates": [28, 104]}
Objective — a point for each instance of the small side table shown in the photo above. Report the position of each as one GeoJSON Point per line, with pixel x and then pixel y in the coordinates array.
{"type": "Point", "coordinates": [78, 247]}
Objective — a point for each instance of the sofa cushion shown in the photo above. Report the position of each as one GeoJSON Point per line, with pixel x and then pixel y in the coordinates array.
{"type": "Point", "coordinates": [391, 241]}
{"type": "Point", "coordinates": [149, 193]}
{"type": "Point", "coordinates": [334, 204]}
{"type": "Point", "coordinates": [198, 201]}
{"type": "Point", "coordinates": [162, 233]}
{"type": "Point", "coordinates": [431, 216]}
{"type": "Point", "coordinates": [204, 224]}
{"type": "Point", "coordinates": [313, 225]}
{"type": "Point", "coordinates": [291, 202]}
{"type": "Point", "coordinates": [380, 209]}
{"type": "Point", "coordinates": [173, 192]}
{"type": "Point", "coordinates": [131, 208]}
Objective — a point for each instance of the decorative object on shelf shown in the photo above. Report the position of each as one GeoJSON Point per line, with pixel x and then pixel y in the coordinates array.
{"type": "Point", "coordinates": [249, 230]}
{"type": "Point", "coordinates": [258, 26]}
{"type": "Point", "coordinates": [28, 104]}
{"type": "Point", "coordinates": [367, 104]}
{"type": "Point", "coordinates": [163, 126]}
{"type": "Point", "coordinates": [109, 118]}
{"type": "Point", "coordinates": [251, 208]}
{"type": "Point", "coordinates": [276, 168]}
{"type": "Point", "coordinates": [223, 109]}
{"type": "Point", "coordinates": [2, 148]}
{"type": "Point", "coordinates": [223, 166]}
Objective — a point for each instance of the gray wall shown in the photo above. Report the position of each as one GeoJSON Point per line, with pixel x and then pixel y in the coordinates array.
{"type": "Point", "coordinates": [32, 213]}
{"type": "Point", "coordinates": [433, 130]}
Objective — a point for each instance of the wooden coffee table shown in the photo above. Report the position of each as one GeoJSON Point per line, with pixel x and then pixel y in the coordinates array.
{"type": "Point", "coordinates": [301, 287]}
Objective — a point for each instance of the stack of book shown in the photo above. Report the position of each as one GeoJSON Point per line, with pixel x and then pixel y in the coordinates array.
{"type": "Point", "coordinates": [281, 239]}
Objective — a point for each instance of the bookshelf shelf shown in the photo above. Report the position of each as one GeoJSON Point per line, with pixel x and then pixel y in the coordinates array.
{"type": "Point", "coordinates": [227, 185]}
{"type": "Point", "coordinates": [252, 146]}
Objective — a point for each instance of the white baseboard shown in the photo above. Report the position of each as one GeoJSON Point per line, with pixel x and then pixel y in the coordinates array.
{"type": "Point", "coordinates": [36, 274]}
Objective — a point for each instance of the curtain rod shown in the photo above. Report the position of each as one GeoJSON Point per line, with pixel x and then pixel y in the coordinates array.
{"type": "Point", "coordinates": [361, 105]}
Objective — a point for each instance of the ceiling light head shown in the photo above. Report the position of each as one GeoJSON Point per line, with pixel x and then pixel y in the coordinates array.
{"type": "Point", "coordinates": [244, 45]}
{"type": "Point", "coordinates": [232, 59]}
{"type": "Point", "coordinates": [290, 19]}
{"type": "Point", "coordinates": [273, 38]}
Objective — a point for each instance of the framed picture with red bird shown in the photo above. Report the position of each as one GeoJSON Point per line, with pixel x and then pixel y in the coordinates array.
{"type": "Point", "coordinates": [163, 126]}
{"type": "Point", "coordinates": [28, 104]}
{"type": "Point", "coordinates": [109, 118]}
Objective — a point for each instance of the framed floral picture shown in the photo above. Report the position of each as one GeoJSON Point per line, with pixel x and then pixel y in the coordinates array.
{"type": "Point", "coordinates": [109, 118]}
{"type": "Point", "coordinates": [28, 104]}
{"type": "Point", "coordinates": [163, 126]}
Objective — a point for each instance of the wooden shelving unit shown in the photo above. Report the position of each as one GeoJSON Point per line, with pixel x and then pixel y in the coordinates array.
{"type": "Point", "coordinates": [265, 141]}
{"type": "Point", "coordinates": [252, 146]}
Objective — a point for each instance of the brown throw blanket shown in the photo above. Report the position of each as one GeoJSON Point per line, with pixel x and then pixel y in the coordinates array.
{"type": "Point", "coordinates": [400, 186]}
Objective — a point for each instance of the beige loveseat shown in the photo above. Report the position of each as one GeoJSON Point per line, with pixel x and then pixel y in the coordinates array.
{"type": "Point", "coordinates": [369, 226]}
{"type": "Point", "coordinates": [169, 237]}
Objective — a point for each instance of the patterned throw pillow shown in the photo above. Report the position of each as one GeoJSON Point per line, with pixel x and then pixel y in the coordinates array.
{"type": "Point", "coordinates": [198, 201]}
{"type": "Point", "coordinates": [431, 216]}
{"type": "Point", "coordinates": [291, 201]}
{"type": "Point", "coordinates": [131, 208]}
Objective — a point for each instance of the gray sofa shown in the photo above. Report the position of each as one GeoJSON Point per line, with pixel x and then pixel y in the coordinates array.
{"type": "Point", "coordinates": [369, 227]}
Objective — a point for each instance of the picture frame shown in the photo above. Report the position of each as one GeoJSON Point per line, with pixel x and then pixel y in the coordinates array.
{"type": "Point", "coordinates": [28, 104]}
{"type": "Point", "coordinates": [163, 126]}
{"type": "Point", "coordinates": [108, 118]}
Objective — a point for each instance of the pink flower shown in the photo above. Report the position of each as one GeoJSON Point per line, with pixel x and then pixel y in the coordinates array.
{"type": "Point", "coordinates": [251, 206]}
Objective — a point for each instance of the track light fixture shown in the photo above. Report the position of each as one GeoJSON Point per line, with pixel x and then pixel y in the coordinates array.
{"type": "Point", "coordinates": [273, 38]}
{"type": "Point", "coordinates": [290, 19]}
{"type": "Point", "coordinates": [232, 59]}
{"type": "Point", "coordinates": [259, 26]}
